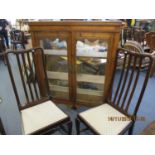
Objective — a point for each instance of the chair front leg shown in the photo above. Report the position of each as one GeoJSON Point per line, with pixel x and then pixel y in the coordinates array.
{"type": "Point", "coordinates": [70, 127]}
{"type": "Point", "coordinates": [130, 132]}
{"type": "Point", "coordinates": [2, 128]}
{"type": "Point", "coordinates": [77, 122]}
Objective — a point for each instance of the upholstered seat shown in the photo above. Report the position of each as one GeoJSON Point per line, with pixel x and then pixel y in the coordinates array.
{"type": "Point", "coordinates": [105, 120]}
{"type": "Point", "coordinates": [40, 116]}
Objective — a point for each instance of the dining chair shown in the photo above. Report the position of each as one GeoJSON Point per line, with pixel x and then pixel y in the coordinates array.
{"type": "Point", "coordinates": [2, 131]}
{"type": "Point", "coordinates": [119, 112]}
{"type": "Point", "coordinates": [39, 114]}
{"type": "Point", "coordinates": [150, 40]}
{"type": "Point", "coordinates": [127, 34]}
{"type": "Point", "coordinates": [139, 36]}
{"type": "Point", "coordinates": [17, 38]}
{"type": "Point", "coordinates": [135, 46]}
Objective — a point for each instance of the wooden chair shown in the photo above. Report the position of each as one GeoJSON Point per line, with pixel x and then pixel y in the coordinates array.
{"type": "Point", "coordinates": [2, 131]}
{"type": "Point", "coordinates": [149, 37]}
{"type": "Point", "coordinates": [150, 40]}
{"type": "Point", "coordinates": [139, 36]}
{"type": "Point", "coordinates": [118, 114]}
{"type": "Point", "coordinates": [134, 46]}
{"type": "Point", "coordinates": [39, 114]}
{"type": "Point", "coordinates": [127, 34]}
{"type": "Point", "coordinates": [134, 34]}
{"type": "Point", "coordinates": [17, 38]}
{"type": "Point", "coordinates": [137, 47]}
{"type": "Point", "coordinates": [152, 50]}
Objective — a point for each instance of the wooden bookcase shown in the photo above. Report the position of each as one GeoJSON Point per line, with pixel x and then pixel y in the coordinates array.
{"type": "Point", "coordinates": [79, 58]}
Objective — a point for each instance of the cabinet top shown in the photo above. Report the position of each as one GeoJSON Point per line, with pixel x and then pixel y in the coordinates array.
{"type": "Point", "coordinates": [76, 23]}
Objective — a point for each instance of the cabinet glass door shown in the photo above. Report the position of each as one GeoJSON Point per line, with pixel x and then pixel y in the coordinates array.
{"type": "Point", "coordinates": [57, 66]}
{"type": "Point", "coordinates": [91, 59]}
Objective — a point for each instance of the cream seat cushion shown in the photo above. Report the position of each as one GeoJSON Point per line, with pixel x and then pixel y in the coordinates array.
{"type": "Point", "coordinates": [99, 118]}
{"type": "Point", "coordinates": [40, 116]}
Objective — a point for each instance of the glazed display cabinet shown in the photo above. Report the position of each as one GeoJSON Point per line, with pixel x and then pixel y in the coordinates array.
{"type": "Point", "coordinates": [79, 58]}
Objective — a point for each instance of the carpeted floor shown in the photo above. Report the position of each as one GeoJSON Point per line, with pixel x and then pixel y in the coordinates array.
{"type": "Point", "coordinates": [150, 129]}
{"type": "Point", "coordinates": [11, 117]}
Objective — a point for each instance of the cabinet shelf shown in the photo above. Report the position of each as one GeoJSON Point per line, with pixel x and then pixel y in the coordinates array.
{"type": "Point", "coordinates": [89, 92]}
{"type": "Point", "coordinates": [56, 52]}
{"type": "Point", "coordinates": [59, 88]}
{"type": "Point", "coordinates": [100, 79]}
{"type": "Point", "coordinates": [57, 75]}
{"type": "Point", "coordinates": [80, 53]}
{"type": "Point", "coordinates": [79, 90]}
{"type": "Point", "coordinates": [91, 78]}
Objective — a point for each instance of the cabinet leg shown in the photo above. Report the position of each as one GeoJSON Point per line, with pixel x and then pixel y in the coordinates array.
{"type": "Point", "coordinates": [74, 107]}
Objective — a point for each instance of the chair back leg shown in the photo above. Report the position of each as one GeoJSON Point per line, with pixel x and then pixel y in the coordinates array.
{"type": "Point", "coordinates": [131, 129]}
{"type": "Point", "coordinates": [70, 128]}
{"type": "Point", "coordinates": [2, 128]}
{"type": "Point", "coordinates": [77, 122]}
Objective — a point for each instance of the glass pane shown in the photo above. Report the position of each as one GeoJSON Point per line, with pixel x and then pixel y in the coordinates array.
{"type": "Point", "coordinates": [57, 66]}
{"type": "Point", "coordinates": [90, 68]}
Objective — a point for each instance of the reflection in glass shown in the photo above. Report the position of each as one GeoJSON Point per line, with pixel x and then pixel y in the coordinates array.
{"type": "Point", "coordinates": [92, 48]}
{"type": "Point", "coordinates": [90, 68]}
{"type": "Point", "coordinates": [56, 66]}
{"type": "Point", "coordinates": [54, 44]}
